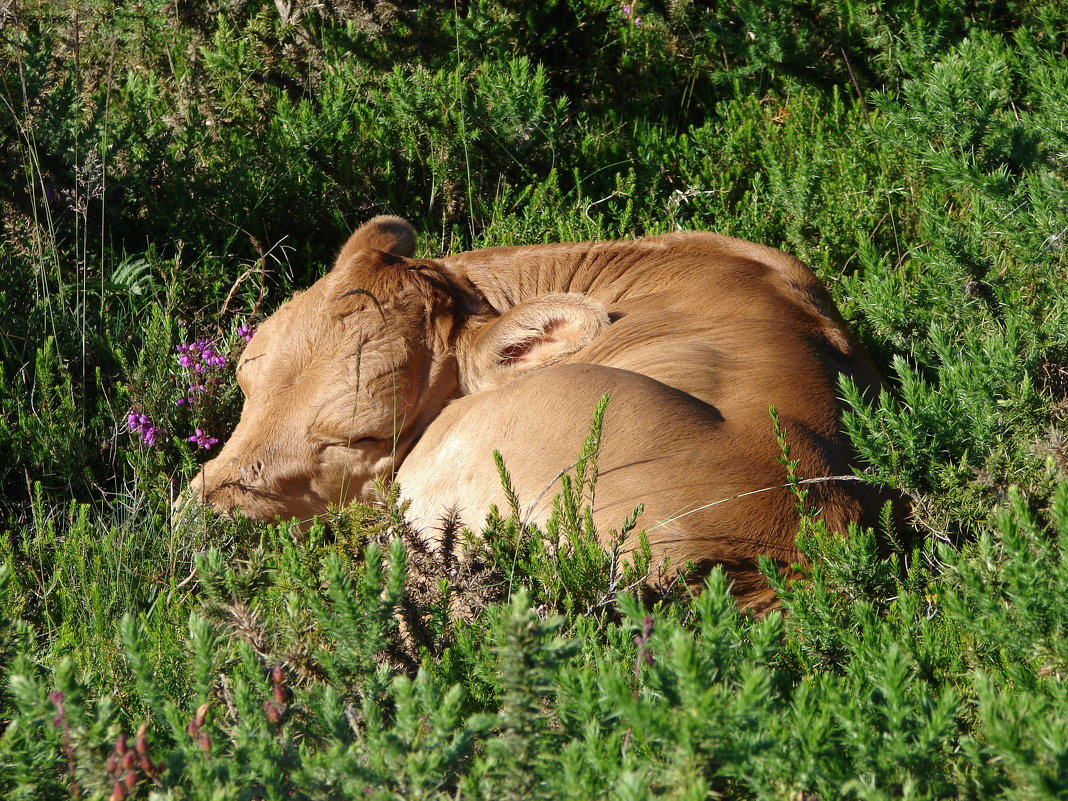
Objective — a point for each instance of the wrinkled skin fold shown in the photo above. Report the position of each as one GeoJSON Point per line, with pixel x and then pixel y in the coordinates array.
{"type": "Point", "coordinates": [695, 335]}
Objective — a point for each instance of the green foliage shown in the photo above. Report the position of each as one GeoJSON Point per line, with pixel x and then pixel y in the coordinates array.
{"type": "Point", "coordinates": [290, 692]}
{"type": "Point", "coordinates": [566, 564]}
{"type": "Point", "coordinates": [172, 170]}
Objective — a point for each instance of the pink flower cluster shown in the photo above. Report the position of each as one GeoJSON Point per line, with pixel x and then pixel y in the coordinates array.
{"type": "Point", "coordinates": [200, 362]}
{"type": "Point", "coordinates": [199, 358]}
{"type": "Point", "coordinates": [628, 12]}
{"type": "Point", "coordinates": [202, 440]}
{"type": "Point", "coordinates": [200, 355]}
{"type": "Point", "coordinates": [142, 426]}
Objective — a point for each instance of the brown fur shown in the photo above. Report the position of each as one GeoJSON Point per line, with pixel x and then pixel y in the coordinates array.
{"type": "Point", "coordinates": [659, 447]}
{"type": "Point", "coordinates": [346, 377]}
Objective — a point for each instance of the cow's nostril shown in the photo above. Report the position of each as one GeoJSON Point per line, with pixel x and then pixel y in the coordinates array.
{"type": "Point", "coordinates": [248, 475]}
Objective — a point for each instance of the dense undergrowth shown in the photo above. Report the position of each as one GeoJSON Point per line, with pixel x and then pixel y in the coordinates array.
{"type": "Point", "coordinates": [170, 171]}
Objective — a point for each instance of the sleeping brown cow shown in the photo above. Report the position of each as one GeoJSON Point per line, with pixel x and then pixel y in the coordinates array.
{"type": "Point", "coordinates": [343, 380]}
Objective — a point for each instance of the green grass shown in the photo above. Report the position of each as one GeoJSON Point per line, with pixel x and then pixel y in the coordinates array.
{"type": "Point", "coordinates": [170, 171]}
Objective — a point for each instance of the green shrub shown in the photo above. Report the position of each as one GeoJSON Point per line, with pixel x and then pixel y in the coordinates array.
{"type": "Point", "coordinates": [295, 690]}
{"type": "Point", "coordinates": [170, 172]}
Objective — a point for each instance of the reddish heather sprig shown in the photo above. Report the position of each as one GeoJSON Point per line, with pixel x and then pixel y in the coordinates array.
{"type": "Point", "coordinates": [195, 729]}
{"type": "Point", "coordinates": [60, 722]}
{"type": "Point", "coordinates": [124, 764]}
{"type": "Point", "coordinates": [644, 654]}
{"type": "Point", "coordinates": [277, 706]}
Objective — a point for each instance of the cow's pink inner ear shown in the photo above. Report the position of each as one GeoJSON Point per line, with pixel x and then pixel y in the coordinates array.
{"type": "Point", "coordinates": [532, 334]}
{"type": "Point", "coordinates": [557, 338]}
{"type": "Point", "coordinates": [527, 352]}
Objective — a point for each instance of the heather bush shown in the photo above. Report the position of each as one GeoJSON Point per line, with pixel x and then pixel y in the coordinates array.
{"type": "Point", "coordinates": [171, 171]}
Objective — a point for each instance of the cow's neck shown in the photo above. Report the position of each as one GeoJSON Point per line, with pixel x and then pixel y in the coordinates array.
{"type": "Point", "coordinates": [508, 276]}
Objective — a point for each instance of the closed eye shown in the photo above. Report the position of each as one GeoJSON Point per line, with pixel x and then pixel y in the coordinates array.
{"type": "Point", "coordinates": [245, 362]}
{"type": "Point", "coordinates": [244, 373]}
{"type": "Point", "coordinates": [330, 442]}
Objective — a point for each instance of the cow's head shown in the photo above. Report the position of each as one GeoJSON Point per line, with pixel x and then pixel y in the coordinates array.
{"type": "Point", "coordinates": [342, 380]}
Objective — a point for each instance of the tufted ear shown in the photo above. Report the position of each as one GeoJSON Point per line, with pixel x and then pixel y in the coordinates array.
{"type": "Point", "coordinates": [532, 334]}
{"type": "Point", "coordinates": [385, 233]}
{"type": "Point", "coordinates": [375, 268]}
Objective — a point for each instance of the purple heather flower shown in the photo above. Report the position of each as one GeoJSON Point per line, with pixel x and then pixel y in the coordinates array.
{"type": "Point", "coordinates": [142, 426]}
{"type": "Point", "coordinates": [202, 440]}
{"type": "Point", "coordinates": [200, 355]}
{"type": "Point", "coordinates": [245, 331]}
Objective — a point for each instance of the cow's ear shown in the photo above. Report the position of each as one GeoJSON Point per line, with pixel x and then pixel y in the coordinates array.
{"type": "Point", "coordinates": [529, 335]}
{"type": "Point", "coordinates": [385, 233]}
